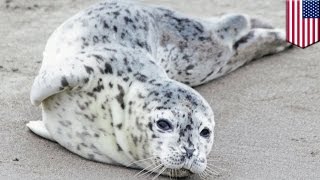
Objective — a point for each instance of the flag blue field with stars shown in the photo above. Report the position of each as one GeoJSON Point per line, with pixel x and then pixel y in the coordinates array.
{"type": "Point", "coordinates": [311, 8]}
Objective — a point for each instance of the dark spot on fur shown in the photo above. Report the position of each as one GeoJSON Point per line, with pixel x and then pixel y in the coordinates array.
{"type": "Point", "coordinates": [98, 57]}
{"type": "Point", "coordinates": [83, 144]}
{"type": "Point", "coordinates": [86, 80]}
{"type": "Point", "coordinates": [64, 82]}
{"type": "Point", "coordinates": [105, 25]}
{"type": "Point", "coordinates": [115, 28]}
{"type": "Point", "coordinates": [199, 28]}
{"type": "Point", "coordinates": [119, 148]}
{"type": "Point", "coordinates": [116, 14]}
{"type": "Point", "coordinates": [154, 136]}
{"type": "Point", "coordinates": [123, 35]}
{"type": "Point", "coordinates": [150, 126]}
{"type": "Point", "coordinates": [126, 79]}
{"type": "Point", "coordinates": [127, 20]}
{"type": "Point", "coordinates": [141, 77]}
{"type": "Point", "coordinates": [125, 60]}
{"type": "Point", "coordinates": [104, 40]}
{"type": "Point", "coordinates": [190, 67]}
{"type": "Point", "coordinates": [243, 40]}
{"type": "Point", "coordinates": [108, 68]}
{"type": "Point", "coordinates": [168, 94]}
{"type": "Point", "coordinates": [134, 139]}
{"type": "Point", "coordinates": [120, 73]}
{"type": "Point", "coordinates": [201, 38]}
{"type": "Point", "coordinates": [119, 126]}
{"type": "Point", "coordinates": [189, 97]}
{"type": "Point", "coordinates": [190, 142]}
{"type": "Point", "coordinates": [99, 86]}
{"type": "Point", "coordinates": [181, 133]}
{"type": "Point", "coordinates": [89, 69]}
{"type": "Point", "coordinates": [90, 118]}
{"type": "Point", "coordinates": [120, 96]}
{"type": "Point", "coordinates": [95, 39]}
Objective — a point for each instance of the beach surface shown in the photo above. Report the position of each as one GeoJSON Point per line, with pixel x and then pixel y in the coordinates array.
{"type": "Point", "coordinates": [267, 113]}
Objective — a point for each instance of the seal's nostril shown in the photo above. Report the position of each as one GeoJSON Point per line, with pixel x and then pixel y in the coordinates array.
{"type": "Point", "coordinates": [189, 152]}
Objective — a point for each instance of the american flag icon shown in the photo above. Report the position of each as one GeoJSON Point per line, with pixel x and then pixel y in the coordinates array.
{"type": "Point", "coordinates": [303, 22]}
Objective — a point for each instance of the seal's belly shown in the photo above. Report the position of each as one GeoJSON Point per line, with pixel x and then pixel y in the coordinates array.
{"type": "Point", "coordinates": [83, 124]}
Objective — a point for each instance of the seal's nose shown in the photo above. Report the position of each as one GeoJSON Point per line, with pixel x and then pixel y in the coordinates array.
{"type": "Point", "coordinates": [189, 152]}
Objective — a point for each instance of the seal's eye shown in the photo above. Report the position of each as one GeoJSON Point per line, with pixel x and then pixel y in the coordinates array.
{"type": "Point", "coordinates": [164, 124]}
{"type": "Point", "coordinates": [205, 133]}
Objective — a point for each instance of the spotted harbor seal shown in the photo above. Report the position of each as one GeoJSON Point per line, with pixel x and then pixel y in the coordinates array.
{"type": "Point", "coordinates": [115, 83]}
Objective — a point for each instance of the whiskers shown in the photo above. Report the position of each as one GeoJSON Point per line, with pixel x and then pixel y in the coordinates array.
{"type": "Point", "coordinates": [152, 159]}
{"type": "Point", "coordinates": [160, 172]}
{"type": "Point", "coordinates": [173, 174]}
{"type": "Point", "coordinates": [211, 171]}
{"type": "Point", "coordinates": [152, 167]}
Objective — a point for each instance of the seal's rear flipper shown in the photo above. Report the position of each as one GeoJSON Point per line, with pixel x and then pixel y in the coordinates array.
{"type": "Point", "coordinates": [38, 128]}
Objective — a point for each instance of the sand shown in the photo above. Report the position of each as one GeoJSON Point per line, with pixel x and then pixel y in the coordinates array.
{"type": "Point", "coordinates": [267, 113]}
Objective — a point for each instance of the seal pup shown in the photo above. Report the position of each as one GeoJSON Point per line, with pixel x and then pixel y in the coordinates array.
{"type": "Point", "coordinates": [115, 83]}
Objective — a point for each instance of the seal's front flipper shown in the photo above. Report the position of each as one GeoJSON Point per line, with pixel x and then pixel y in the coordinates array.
{"type": "Point", "coordinates": [52, 80]}
{"type": "Point", "coordinates": [39, 129]}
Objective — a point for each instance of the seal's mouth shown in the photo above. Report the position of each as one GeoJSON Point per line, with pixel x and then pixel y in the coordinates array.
{"type": "Point", "coordinates": [179, 173]}
{"type": "Point", "coordinates": [187, 170]}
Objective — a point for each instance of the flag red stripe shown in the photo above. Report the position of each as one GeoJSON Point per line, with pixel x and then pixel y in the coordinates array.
{"type": "Point", "coordinates": [314, 30]}
{"type": "Point", "coordinates": [298, 9]}
{"type": "Point", "coordinates": [288, 15]}
{"type": "Point", "coordinates": [303, 31]}
{"type": "Point", "coordinates": [293, 23]}
{"type": "Point", "coordinates": [308, 30]}
{"type": "Point", "coordinates": [318, 29]}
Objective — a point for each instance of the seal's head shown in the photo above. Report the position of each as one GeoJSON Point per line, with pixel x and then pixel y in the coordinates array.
{"type": "Point", "coordinates": [180, 129]}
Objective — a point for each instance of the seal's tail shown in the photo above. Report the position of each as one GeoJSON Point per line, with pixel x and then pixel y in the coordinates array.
{"type": "Point", "coordinates": [39, 129]}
